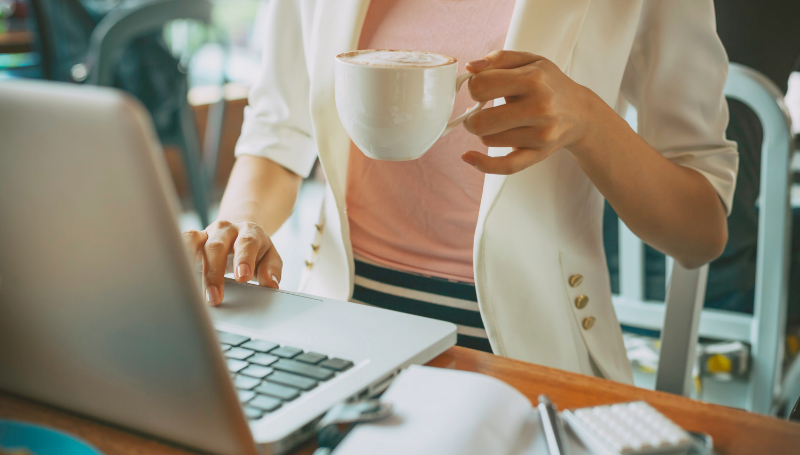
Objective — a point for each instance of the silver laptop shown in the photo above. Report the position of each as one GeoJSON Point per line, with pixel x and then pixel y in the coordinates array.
{"type": "Point", "coordinates": [101, 311]}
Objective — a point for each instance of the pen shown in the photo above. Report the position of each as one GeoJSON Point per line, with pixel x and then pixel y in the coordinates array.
{"type": "Point", "coordinates": [553, 427]}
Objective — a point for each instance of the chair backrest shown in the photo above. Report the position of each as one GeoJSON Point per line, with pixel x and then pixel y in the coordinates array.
{"type": "Point", "coordinates": [683, 318]}
{"type": "Point", "coordinates": [56, 19]}
{"type": "Point", "coordinates": [109, 40]}
{"type": "Point", "coordinates": [117, 29]}
{"type": "Point", "coordinates": [774, 221]}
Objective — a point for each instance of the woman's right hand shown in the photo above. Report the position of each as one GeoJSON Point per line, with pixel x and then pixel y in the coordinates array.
{"type": "Point", "coordinates": [254, 256]}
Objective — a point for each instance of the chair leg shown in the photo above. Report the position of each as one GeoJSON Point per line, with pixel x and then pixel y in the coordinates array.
{"type": "Point", "coordinates": [790, 391]}
{"type": "Point", "coordinates": [213, 139]}
{"type": "Point", "coordinates": [192, 162]}
{"type": "Point", "coordinates": [685, 295]}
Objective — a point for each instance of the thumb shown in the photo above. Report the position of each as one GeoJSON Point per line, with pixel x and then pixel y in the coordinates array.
{"type": "Point", "coordinates": [517, 160]}
{"type": "Point", "coordinates": [503, 60]}
{"type": "Point", "coordinates": [193, 241]}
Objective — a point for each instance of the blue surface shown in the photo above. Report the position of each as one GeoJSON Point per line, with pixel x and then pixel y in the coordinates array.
{"type": "Point", "coordinates": [40, 440]}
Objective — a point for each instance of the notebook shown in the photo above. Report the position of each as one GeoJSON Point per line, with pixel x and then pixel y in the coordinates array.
{"type": "Point", "coordinates": [450, 412]}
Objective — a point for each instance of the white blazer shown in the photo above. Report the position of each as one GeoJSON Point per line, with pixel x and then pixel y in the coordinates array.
{"type": "Point", "coordinates": [539, 227]}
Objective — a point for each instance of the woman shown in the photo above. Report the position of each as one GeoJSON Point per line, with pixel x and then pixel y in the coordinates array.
{"type": "Point", "coordinates": [523, 222]}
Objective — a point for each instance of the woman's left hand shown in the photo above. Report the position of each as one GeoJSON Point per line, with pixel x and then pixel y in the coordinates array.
{"type": "Point", "coordinates": [545, 110]}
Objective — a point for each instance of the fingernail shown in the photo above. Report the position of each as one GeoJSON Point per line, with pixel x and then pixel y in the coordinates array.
{"type": "Point", "coordinates": [275, 280]}
{"type": "Point", "coordinates": [212, 295]}
{"type": "Point", "coordinates": [468, 159]}
{"type": "Point", "coordinates": [243, 270]}
{"type": "Point", "coordinates": [479, 64]}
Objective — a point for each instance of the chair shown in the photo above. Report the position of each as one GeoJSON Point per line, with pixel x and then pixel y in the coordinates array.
{"type": "Point", "coordinates": [50, 49]}
{"type": "Point", "coordinates": [109, 38]}
{"type": "Point", "coordinates": [114, 33]}
{"type": "Point", "coordinates": [683, 318]}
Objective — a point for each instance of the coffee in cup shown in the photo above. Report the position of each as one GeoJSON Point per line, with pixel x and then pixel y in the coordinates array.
{"type": "Point", "coordinates": [395, 104]}
{"type": "Point", "coordinates": [396, 59]}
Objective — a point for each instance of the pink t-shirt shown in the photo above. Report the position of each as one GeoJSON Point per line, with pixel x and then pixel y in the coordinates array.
{"type": "Point", "coordinates": [420, 216]}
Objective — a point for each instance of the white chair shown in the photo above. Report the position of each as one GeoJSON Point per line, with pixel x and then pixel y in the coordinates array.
{"type": "Point", "coordinates": [683, 316]}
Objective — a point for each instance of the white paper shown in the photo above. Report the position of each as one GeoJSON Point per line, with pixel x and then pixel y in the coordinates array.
{"type": "Point", "coordinates": [445, 412]}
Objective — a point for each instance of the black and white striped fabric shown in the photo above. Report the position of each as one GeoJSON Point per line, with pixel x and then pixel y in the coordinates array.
{"type": "Point", "coordinates": [423, 296]}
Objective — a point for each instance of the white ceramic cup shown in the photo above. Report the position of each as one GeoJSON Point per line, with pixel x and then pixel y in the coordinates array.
{"type": "Point", "coordinates": [397, 113]}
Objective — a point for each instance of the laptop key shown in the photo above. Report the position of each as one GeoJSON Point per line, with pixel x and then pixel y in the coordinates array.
{"type": "Point", "coordinates": [235, 366]}
{"type": "Point", "coordinates": [278, 391]}
{"type": "Point", "coordinates": [336, 364]}
{"type": "Point", "coordinates": [292, 380]}
{"type": "Point", "coordinates": [287, 352]}
{"type": "Point", "coordinates": [230, 338]}
{"type": "Point", "coordinates": [244, 382]}
{"type": "Point", "coordinates": [263, 359]}
{"type": "Point", "coordinates": [253, 413]}
{"type": "Point", "coordinates": [256, 371]}
{"type": "Point", "coordinates": [311, 357]}
{"type": "Point", "coordinates": [265, 403]}
{"type": "Point", "coordinates": [320, 374]}
{"type": "Point", "coordinates": [239, 353]}
{"type": "Point", "coordinates": [260, 345]}
{"type": "Point", "coordinates": [225, 347]}
{"type": "Point", "coordinates": [246, 395]}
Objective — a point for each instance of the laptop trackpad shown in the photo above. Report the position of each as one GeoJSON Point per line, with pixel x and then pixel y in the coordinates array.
{"type": "Point", "coordinates": [258, 307]}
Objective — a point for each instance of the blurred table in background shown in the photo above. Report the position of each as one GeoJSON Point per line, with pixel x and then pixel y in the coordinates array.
{"type": "Point", "coordinates": [15, 38]}
{"type": "Point", "coordinates": [16, 42]}
{"type": "Point", "coordinates": [19, 54]}
{"type": "Point", "coordinates": [202, 99]}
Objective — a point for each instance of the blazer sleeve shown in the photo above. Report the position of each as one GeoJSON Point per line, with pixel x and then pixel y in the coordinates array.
{"type": "Point", "coordinates": [675, 78]}
{"type": "Point", "coordinates": [277, 121]}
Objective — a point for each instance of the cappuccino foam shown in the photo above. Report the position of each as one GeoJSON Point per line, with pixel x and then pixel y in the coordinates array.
{"type": "Point", "coordinates": [384, 57]}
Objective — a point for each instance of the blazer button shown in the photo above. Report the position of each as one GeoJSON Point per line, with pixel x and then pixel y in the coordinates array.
{"type": "Point", "coordinates": [588, 323]}
{"type": "Point", "coordinates": [315, 247]}
{"type": "Point", "coordinates": [319, 228]}
{"type": "Point", "coordinates": [575, 280]}
{"type": "Point", "coordinates": [581, 301]}
{"type": "Point", "coordinates": [309, 264]}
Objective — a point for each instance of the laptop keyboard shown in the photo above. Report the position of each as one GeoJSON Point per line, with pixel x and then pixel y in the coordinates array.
{"type": "Point", "coordinates": [268, 375]}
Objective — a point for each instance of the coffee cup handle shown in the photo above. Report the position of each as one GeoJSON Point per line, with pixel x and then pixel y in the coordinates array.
{"type": "Point", "coordinates": [460, 119]}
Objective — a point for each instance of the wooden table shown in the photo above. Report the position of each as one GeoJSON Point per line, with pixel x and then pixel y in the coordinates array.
{"type": "Point", "coordinates": [15, 42]}
{"type": "Point", "coordinates": [734, 431]}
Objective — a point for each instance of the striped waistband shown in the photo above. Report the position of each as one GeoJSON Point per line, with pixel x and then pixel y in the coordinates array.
{"type": "Point", "coordinates": [430, 297]}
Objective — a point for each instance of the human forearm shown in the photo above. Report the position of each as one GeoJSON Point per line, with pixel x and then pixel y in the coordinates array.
{"type": "Point", "coordinates": [671, 207]}
{"type": "Point", "coordinates": [259, 191]}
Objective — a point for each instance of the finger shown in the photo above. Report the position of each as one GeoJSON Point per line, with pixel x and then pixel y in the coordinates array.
{"type": "Point", "coordinates": [215, 256]}
{"type": "Point", "coordinates": [193, 241]}
{"type": "Point", "coordinates": [270, 268]}
{"type": "Point", "coordinates": [501, 83]}
{"type": "Point", "coordinates": [248, 247]}
{"type": "Point", "coordinates": [525, 137]}
{"type": "Point", "coordinates": [503, 60]}
{"type": "Point", "coordinates": [493, 120]}
{"type": "Point", "coordinates": [512, 163]}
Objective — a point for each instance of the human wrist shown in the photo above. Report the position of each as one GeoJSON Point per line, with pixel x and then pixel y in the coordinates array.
{"type": "Point", "coordinates": [591, 122]}
{"type": "Point", "coordinates": [243, 212]}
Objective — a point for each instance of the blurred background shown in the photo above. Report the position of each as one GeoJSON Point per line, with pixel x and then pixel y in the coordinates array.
{"type": "Point", "coordinates": [191, 66]}
{"type": "Point", "coordinates": [191, 63]}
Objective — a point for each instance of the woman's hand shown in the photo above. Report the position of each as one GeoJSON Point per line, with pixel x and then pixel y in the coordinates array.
{"type": "Point", "coordinates": [254, 256]}
{"type": "Point", "coordinates": [671, 207]}
{"type": "Point", "coordinates": [545, 110]}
